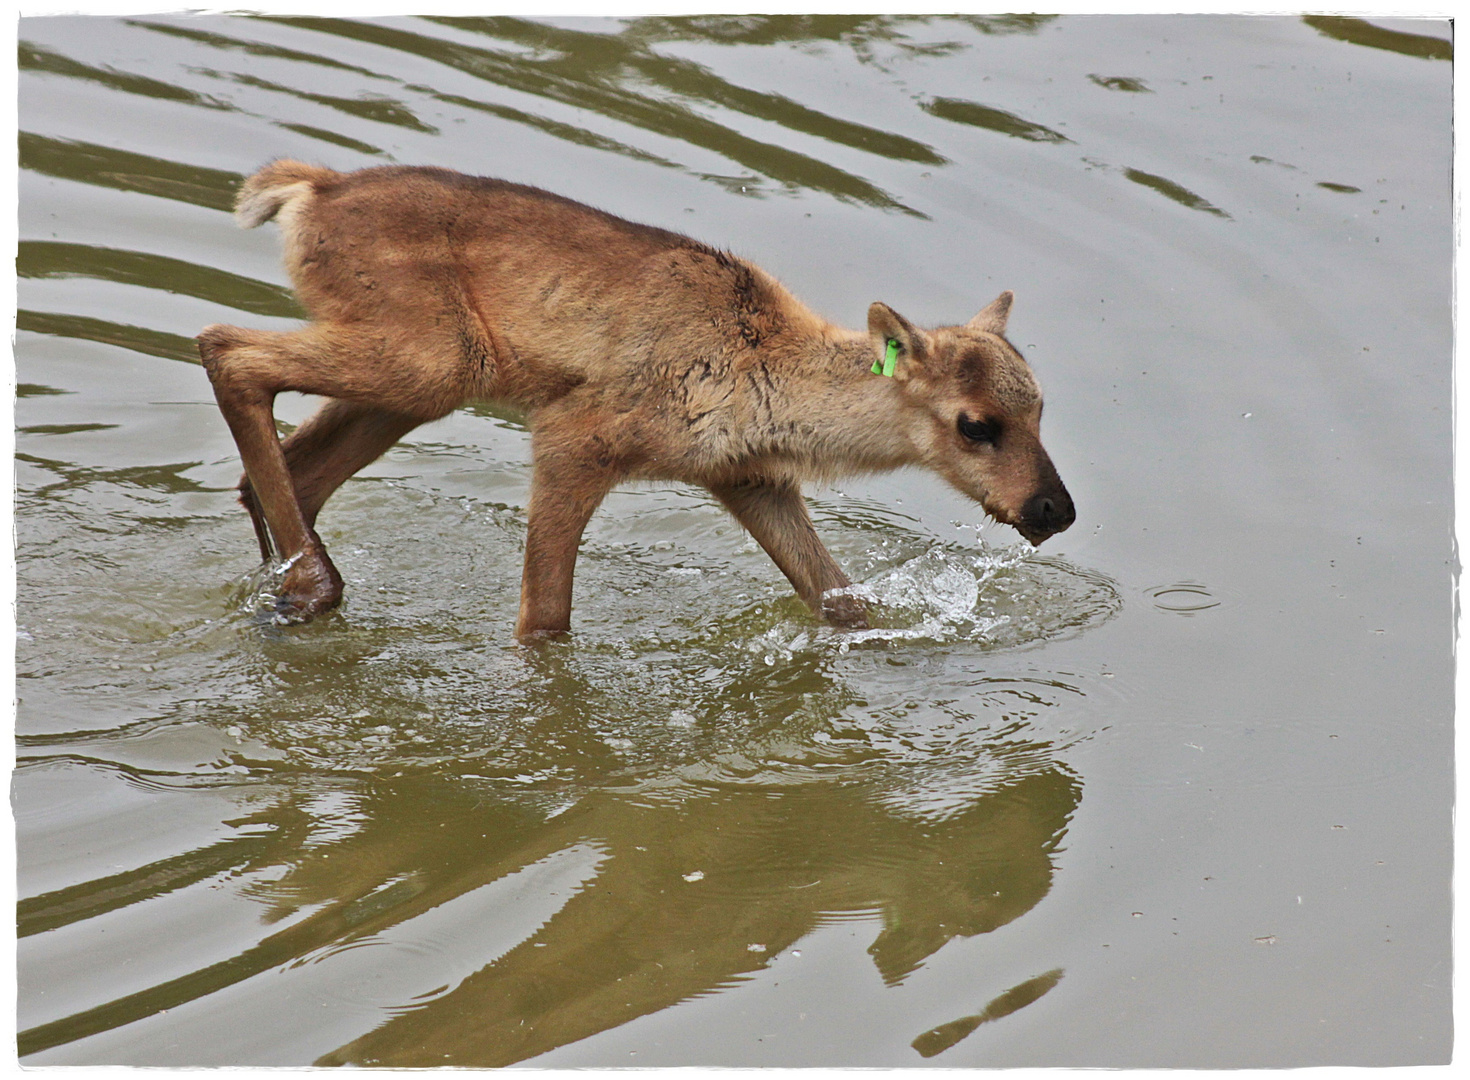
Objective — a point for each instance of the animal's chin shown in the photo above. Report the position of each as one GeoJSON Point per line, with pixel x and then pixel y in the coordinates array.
{"type": "Point", "coordinates": [1034, 537]}
{"type": "Point", "coordinates": [1005, 519]}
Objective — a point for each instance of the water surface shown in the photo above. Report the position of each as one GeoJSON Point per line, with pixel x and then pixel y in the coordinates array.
{"type": "Point", "coordinates": [1173, 790]}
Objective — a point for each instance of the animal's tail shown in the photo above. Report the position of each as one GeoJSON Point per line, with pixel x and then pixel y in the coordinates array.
{"type": "Point", "coordinates": [262, 195]}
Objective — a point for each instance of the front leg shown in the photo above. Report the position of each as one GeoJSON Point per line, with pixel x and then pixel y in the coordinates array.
{"type": "Point", "coordinates": [567, 485]}
{"type": "Point", "coordinates": [775, 514]}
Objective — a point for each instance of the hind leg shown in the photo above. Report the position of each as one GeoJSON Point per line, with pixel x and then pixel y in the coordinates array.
{"type": "Point", "coordinates": [249, 368]}
{"type": "Point", "coordinates": [332, 445]}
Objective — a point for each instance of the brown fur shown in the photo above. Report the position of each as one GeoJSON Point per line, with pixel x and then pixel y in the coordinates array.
{"type": "Point", "coordinates": [637, 354]}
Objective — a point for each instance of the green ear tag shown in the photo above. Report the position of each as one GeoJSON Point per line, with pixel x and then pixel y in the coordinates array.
{"type": "Point", "coordinates": [886, 365]}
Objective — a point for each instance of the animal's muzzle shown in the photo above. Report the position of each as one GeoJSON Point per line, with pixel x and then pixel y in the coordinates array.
{"type": "Point", "coordinates": [1046, 513]}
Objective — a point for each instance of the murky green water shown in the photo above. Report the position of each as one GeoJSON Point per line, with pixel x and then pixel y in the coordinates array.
{"type": "Point", "coordinates": [1174, 790]}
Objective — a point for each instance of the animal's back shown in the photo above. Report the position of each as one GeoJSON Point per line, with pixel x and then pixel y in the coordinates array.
{"type": "Point", "coordinates": [550, 290]}
{"type": "Point", "coordinates": [348, 235]}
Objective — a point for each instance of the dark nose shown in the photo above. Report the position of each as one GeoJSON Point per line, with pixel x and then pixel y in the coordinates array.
{"type": "Point", "coordinates": [1046, 513]}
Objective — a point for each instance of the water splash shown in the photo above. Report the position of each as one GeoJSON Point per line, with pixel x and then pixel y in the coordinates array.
{"type": "Point", "coordinates": [996, 597]}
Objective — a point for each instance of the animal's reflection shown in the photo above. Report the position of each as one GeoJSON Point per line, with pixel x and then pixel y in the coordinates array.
{"type": "Point", "coordinates": [679, 867]}
{"type": "Point", "coordinates": [767, 866]}
{"type": "Point", "coordinates": [677, 885]}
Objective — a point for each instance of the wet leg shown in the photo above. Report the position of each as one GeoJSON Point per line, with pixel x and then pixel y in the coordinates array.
{"type": "Point", "coordinates": [775, 514]}
{"type": "Point", "coordinates": [324, 452]}
{"type": "Point", "coordinates": [247, 370]}
{"type": "Point", "coordinates": [566, 489]}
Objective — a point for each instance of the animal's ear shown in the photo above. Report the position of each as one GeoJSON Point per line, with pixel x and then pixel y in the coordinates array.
{"type": "Point", "coordinates": [885, 325]}
{"type": "Point", "coordinates": [993, 319]}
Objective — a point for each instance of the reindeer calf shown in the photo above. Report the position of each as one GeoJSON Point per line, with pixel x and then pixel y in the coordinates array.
{"type": "Point", "coordinates": [638, 354]}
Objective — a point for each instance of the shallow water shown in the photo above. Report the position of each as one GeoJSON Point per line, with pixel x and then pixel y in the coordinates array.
{"type": "Point", "coordinates": [1173, 790]}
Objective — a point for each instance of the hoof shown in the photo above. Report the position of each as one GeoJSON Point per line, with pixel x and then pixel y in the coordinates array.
{"type": "Point", "coordinates": [845, 610]}
{"type": "Point", "coordinates": [311, 586]}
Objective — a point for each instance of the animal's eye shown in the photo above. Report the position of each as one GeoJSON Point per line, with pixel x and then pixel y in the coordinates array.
{"type": "Point", "coordinates": [978, 431]}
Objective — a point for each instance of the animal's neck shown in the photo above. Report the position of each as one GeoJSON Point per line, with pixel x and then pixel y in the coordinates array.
{"type": "Point", "coordinates": [841, 418]}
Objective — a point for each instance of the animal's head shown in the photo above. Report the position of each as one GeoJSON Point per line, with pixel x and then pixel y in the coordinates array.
{"type": "Point", "coordinates": [975, 415]}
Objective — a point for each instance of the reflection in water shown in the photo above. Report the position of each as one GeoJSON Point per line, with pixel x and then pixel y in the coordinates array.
{"type": "Point", "coordinates": [618, 76]}
{"type": "Point", "coordinates": [230, 43]}
{"type": "Point", "coordinates": [968, 112]}
{"type": "Point", "coordinates": [1121, 82]}
{"type": "Point", "coordinates": [628, 58]}
{"type": "Point", "coordinates": [687, 892]}
{"type": "Point", "coordinates": [1170, 190]}
{"type": "Point", "coordinates": [382, 110]}
{"type": "Point", "coordinates": [85, 328]}
{"type": "Point", "coordinates": [168, 478]}
{"type": "Point", "coordinates": [125, 170]}
{"type": "Point", "coordinates": [33, 58]}
{"type": "Point", "coordinates": [1362, 32]}
{"type": "Point", "coordinates": [937, 1040]}
{"type": "Point", "coordinates": [860, 33]}
{"type": "Point", "coordinates": [642, 936]}
{"type": "Point", "coordinates": [575, 76]}
{"type": "Point", "coordinates": [54, 259]}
